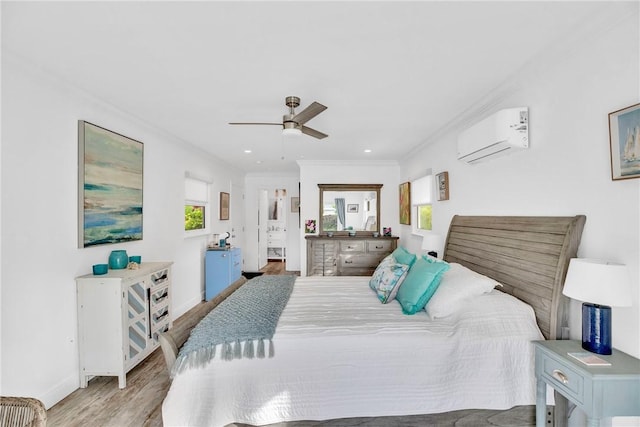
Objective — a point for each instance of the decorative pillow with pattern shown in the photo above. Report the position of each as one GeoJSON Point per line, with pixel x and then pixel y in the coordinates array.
{"type": "Point", "coordinates": [387, 278]}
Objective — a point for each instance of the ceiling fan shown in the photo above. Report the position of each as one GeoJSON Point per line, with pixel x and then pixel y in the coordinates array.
{"type": "Point", "coordinates": [292, 123]}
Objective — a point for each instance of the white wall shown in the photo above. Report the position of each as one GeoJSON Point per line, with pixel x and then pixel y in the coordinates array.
{"type": "Point", "coordinates": [313, 173]}
{"type": "Point", "coordinates": [40, 257]}
{"type": "Point", "coordinates": [270, 182]}
{"type": "Point", "coordinates": [567, 169]}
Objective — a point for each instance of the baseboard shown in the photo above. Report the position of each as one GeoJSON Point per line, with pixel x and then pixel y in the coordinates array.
{"type": "Point", "coordinates": [179, 311]}
{"type": "Point", "coordinates": [61, 390]}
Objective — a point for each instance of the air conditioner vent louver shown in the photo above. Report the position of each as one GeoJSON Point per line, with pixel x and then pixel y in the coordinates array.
{"type": "Point", "coordinates": [502, 133]}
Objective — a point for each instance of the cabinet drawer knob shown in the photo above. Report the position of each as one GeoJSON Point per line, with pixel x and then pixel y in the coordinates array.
{"type": "Point", "coordinates": [560, 376]}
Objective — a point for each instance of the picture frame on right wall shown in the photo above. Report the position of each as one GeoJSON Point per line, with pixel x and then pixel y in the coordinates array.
{"type": "Point", "coordinates": [624, 142]}
{"type": "Point", "coordinates": [442, 181]}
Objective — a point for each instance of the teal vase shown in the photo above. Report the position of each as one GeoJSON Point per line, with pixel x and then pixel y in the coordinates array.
{"type": "Point", "coordinates": [118, 260]}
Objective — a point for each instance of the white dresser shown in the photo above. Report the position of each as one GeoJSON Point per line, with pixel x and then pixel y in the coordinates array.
{"type": "Point", "coordinates": [120, 315]}
{"type": "Point", "coordinates": [277, 244]}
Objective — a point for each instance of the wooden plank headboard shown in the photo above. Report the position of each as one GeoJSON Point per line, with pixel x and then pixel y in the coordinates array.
{"type": "Point", "coordinates": [528, 255]}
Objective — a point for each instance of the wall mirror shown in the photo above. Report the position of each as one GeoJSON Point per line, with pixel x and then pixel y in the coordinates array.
{"type": "Point", "coordinates": [349, 207]}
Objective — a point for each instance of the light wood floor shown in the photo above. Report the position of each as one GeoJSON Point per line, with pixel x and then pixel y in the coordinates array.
{"type": "Point", "coordinates": [102, 403]}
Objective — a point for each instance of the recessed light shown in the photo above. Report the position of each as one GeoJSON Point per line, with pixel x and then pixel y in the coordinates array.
{"type": "Point", "coordinates": [258, 161]}
{"type": "Point", "coordinates": [247, 151]}
{"type": "Point", "coordinates": [367, 150]}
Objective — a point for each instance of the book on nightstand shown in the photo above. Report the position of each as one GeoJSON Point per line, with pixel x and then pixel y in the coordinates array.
{"type": "Point", "coordinates": [589, 359]}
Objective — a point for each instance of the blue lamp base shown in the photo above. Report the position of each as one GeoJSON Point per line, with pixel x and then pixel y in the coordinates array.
{"type": "Point", "coordinates": [596, 328]}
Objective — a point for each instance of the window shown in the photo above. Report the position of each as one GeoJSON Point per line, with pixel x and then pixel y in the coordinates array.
{"type": "Point", "coordinates": [196, 203]}
{"type": "Point", "coordinates": [421, 204]}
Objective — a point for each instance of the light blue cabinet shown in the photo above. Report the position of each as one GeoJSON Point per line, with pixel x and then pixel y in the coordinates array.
{"type": "Point", "coordinates": [222, 268]}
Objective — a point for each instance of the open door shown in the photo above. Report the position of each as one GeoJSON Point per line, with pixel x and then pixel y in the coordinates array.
{"type": "Point", "coordinates": [263, 216]}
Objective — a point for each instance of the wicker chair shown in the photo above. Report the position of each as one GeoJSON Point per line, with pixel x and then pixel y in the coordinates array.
{"type": "Point", "coordinates": [22, 412]}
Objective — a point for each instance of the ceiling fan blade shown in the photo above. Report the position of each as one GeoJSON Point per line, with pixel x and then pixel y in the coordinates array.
{"type": "Point", "coordinates": [308, 113]}
{"type": "Point", "coordinates": [243, 123]}
{"type": "Point", "coordinates": [312, 132]}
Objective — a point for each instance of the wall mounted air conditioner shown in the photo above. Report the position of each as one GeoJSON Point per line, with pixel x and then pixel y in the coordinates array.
{"type": "Point", "coordinates": [502, 133]}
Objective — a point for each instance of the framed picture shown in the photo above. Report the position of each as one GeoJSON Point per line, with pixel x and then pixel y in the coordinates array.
{"type": "Point", "coordinates": [624, 142]}
{"type": "Point", "coordinates": [109, 186]}
{"type": "Point", "coordinates": [295, 204]}
{"type": "Point", "coordinates": [352, 208]}
{"type": "Point", "coordinates": [442, 181]}
{"type": "Point", "coordinates": [310, 226]}
{"type": "Point", "coordinates": [224, 205]}
{"type": "Point", "coordinates": [405, 203]}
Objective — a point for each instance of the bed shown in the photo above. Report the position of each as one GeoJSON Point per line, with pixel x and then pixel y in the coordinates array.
{"type": "Point", "coordinates": [340, 353]}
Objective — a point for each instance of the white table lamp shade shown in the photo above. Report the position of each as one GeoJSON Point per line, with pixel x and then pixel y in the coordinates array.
{"type": "Point", "coordinates": [431, 242]}
{"type": "Point", "coordinates": [598, 282]}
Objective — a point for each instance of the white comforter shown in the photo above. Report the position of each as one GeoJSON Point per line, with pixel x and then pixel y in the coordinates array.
{"type": "Point", "coordinates": [340, 353]}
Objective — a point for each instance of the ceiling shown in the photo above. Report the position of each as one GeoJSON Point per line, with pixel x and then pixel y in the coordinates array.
{"type": "Point", "coordinates": [392, 74]}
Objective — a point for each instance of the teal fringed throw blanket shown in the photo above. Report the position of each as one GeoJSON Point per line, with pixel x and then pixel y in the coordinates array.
{"type": "Point", "coordinates": [250, 314]}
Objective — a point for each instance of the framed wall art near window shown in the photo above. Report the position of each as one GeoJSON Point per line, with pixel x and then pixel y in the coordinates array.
{"type": "Point", "coordinates": [624, 142]}
{"type": "Point", "coordinates": [405, 203]}
{"type": "Point", "coordinates": [352, 208]}
{"type": "Point", "coordinates": [224, 205]}
{"type": "Point", "coordinates": [295, 204]}
{"type": "Point", "coordinates": [442, 181]}
{"type": "Point", "coordinates": [110, 182]}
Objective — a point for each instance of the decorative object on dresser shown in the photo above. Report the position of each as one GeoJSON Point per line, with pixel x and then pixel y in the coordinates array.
{"type": "Point", "coordinates": [223, 266]}
{"type": "Point", "coordinates": [120, 315]}
{"type": "Point", "coordinates": [405, 203]}
{"type": "Point", "coordinates": [600, 285]}
{"type": "Point", "coordinates": [346, 256]}
{"type": "Point", "coordinates": [109, 186]}
{"type": "Point", "coordinates": [600, 391]}
{"type": "Point", "coordinates": [624, 142]}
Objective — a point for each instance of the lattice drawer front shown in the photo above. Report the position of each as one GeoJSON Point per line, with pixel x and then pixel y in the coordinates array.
{"type": "Point", "coordinates": [160, 277]}
{"type": "Point", "coordinates": [159, 297]}
{"type": "Point", "coordinates": [159, 315]}
{"type": "Point", "coordinates": [163, 328]}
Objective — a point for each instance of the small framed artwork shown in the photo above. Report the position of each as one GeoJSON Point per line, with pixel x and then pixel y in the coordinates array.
{"type": "Point", "coordinates": [224, 205]}
{"type": "Point", "coordinates": [310, 226]}
{"type": "Point", "coordinates": [295, 204]}
{"type": "Point", "coordinates": [405, 203]}
{"type": "Point", "coordinates": [624, 142]}
{"type": "Point", "coordinates": [442, 181]}
{"type": "Point", "coordinates": [352, 208]}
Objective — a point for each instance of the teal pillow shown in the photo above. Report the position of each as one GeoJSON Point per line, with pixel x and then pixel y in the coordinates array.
{"type": "Point", "coordinates": [421, 283]}
{"type": "Point", "coordinates": [403, 256]}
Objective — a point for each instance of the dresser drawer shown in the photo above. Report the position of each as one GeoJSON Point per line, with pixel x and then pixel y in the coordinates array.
{"type": "Point", "coordinates": [159, 278]}
{"type": "Point", "coordinates": [359, 260]}
{"type": "Point", "coordinates": [356, 246]}
{"type": "Point", "coordinates": [563, 378]}
{"type": "Point", "coordinates": [159, 297]}
{"type": "Point", "coordinates": [379, 246]}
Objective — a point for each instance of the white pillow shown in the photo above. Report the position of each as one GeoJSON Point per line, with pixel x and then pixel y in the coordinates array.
{"type": "Point", "coordinates": [458, 284]}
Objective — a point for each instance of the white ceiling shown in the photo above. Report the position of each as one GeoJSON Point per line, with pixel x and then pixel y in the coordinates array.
{"type": "Point", "coordinates": [392, 74]}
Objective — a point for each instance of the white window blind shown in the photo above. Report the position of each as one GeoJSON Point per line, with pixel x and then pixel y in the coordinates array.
{"type": "Point", "coordinates": [196, 191]}
{"type": "Point", "coordinates": [421, 190]}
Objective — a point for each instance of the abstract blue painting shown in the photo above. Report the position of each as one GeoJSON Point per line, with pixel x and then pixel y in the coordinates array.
{"type": "Point", "coordinates": [110, 186]}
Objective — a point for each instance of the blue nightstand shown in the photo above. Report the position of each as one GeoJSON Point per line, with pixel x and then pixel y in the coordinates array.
{"type": "Point", "coordinates": [600, 391]}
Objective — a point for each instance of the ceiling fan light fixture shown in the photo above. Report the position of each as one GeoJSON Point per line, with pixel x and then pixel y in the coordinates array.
{"type": "Point", "coordinates": [290, 128]}
{"type": "Point", "coordinates": [291, 131]}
